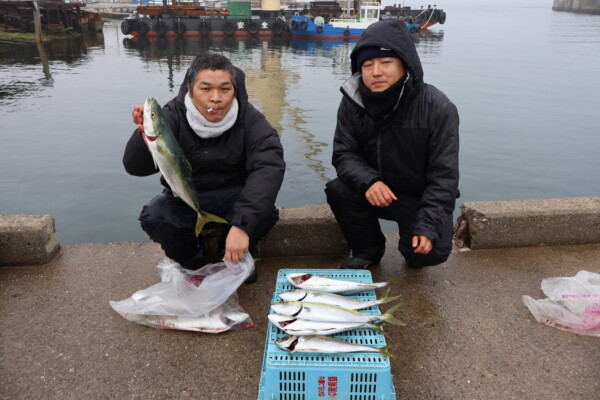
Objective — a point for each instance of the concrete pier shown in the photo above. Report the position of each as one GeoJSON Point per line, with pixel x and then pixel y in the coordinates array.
{"type": "Point", "coordinates": [468, 334]}
{"type": "Point", "coordinates": [28, 239]}
{"type": "Point", "coordinates": [580, 6]}
{"type": "Point", "coordinates": [522, 223]}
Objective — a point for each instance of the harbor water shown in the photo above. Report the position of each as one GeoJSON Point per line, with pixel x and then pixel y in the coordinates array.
{"type": "Point", "coordinates": [524, 79]}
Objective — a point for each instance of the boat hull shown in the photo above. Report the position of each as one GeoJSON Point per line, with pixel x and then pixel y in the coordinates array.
{"type": "Point", "coordinates": [303, 27]}
{"type": "Point", "coordinates": [203, 26]}
{"type": "Point", "coordinates": [424, 17]}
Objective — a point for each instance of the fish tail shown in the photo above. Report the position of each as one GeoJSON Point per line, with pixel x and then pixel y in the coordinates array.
{"type": "Point", "coordinates": [204, 218]}
{"type": "Point", "coordinates": [386, 350]}
{"type": "Point", "coordinates": [389, 316]}
{"type": "Point", "coordinates": [378, 327]}
{"type": "Point", "coordinates": [385, 299]}
{"type": "Point", "coordinates": [395, 281]}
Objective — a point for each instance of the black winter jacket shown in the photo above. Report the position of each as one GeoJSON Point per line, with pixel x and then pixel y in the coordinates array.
{"type": "Point", "coordinates": [248, 154]}
{"type": "Point", "coordinates": [413, 149]}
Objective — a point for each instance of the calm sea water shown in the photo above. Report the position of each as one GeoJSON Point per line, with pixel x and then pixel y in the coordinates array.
{"type": "Point", "coordinates": [524, 78]}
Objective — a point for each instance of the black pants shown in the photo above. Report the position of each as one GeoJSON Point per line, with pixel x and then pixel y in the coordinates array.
{"type": "Point", "coordinates": [172, 223]}
{"type": "Point", "coordinates": [359, 222]}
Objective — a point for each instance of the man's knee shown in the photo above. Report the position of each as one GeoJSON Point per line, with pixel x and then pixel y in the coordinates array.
{"type": "Point", "coordinates": [166, 216]}
{"type": "Point", "coordinates": [425, 260]}
{"type": "Point", "coordinates": [340, 193]}
{"type": "Point", "coordinates": [335, 190]}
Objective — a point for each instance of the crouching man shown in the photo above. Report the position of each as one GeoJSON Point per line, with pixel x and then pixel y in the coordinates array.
{"type": "Point", "coordinates": [236, 158]}
{"type": "Point", "coordinates": [395, 151]}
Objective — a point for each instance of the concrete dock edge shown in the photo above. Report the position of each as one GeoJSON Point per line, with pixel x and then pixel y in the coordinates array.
{"type": "Point", "coordinates": [526, 223]}
{"type": "Point", "coordinates": [313, 231]}
{"type": "Point", "coordinates": [28, 239]}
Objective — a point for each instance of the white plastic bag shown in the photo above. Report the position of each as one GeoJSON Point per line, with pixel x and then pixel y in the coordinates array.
{"type": "Point", "coordinates": [204, 300]}
{"type": "Point", "coordinates": [572, 305]}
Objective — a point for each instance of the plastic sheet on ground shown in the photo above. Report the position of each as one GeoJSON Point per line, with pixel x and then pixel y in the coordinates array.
{"type": "Point", "coordinates": [204, 300]}
{"type": "Point", "coordinates": [572, 305]}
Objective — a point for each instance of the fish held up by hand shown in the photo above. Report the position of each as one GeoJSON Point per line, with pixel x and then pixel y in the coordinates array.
{"type": "Point", "coordinates": [171, 161]}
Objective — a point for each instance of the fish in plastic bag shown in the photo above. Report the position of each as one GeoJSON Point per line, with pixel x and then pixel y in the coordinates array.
{"type": "Point", "coordinates": [204, 300]}
{"type": "Point", "coordinates": [572, 305]}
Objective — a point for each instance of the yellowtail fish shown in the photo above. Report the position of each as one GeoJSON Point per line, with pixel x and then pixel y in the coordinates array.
{"type": "Point", "coordinates": [171, 161]}
{"type": "Point", "coordinates": [329, 313]}
{"type": "Point", "coordinates": [323, 284]}
{"type": "Point", "coordinates": [324, 344]}
{"type": "Point", "coordinates": [216, 321]}
{"type": "Point", "coordinates": [302, 327]}
{"type": "Point", "coordinates": [315, 296]}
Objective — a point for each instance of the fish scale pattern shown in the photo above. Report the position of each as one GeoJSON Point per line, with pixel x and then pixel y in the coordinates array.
{"type": "Point", "coordinates": [312, 376]}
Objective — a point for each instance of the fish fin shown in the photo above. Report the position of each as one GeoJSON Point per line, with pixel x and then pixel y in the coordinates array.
{"type": "Point", "coordinates": [204, 218]}
{"type": "Point", "coordinates": [155, 163]}
{"type": "Point", "coordinates": [378, 327]}
{"type": "Point", "coordinates": [385, 299]}
{"type": "Point", "coordinates": [395, 281]}
{"type": "Point", "coordinates": [389, 316]}
{"type": "Point", "coordinates": [386, 350]}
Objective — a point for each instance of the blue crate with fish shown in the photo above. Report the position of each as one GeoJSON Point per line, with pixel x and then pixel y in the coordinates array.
{"type": "Point", "coordinates": [337, 376]}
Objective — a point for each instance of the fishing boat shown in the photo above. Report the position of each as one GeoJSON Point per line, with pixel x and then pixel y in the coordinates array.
{"type": "Point", "coordinates": [425, 17]}
{"type": "Point", "coordinates": [195, 19]}
{"type": "Point", "coordinates": [307, 27]}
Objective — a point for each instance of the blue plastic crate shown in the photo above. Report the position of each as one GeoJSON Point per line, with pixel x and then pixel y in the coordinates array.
{"type": "Point", "coordinates": [313, 376]}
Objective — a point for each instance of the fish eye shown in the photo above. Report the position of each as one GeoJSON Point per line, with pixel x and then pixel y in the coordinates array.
{"type": "Point", "coordinates": [152, 115]}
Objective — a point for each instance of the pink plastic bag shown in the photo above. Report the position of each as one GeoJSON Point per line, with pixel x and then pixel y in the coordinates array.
{"type": "Point", "coordinates": [204, 300]}
{"type": "Point", "coordinates": [572, 305]}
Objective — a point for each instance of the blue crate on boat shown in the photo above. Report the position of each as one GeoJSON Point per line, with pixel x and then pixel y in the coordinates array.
{"type": "Point", "coordinates": [315, 376]}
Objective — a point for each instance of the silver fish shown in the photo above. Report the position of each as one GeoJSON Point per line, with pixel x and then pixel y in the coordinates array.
{"type": "Point", "coordinates": [315, 296]}
{"type": "Point", "coordinates": [329, 313]}
{"type": "Point", "coordinates": [301, 327]}
{"type": "Point", "coordinates": [324, 344]}
{"type": "Point", "coordinates": [213, 322]}
{"type": "Point", "coordinates": [171, 161]}
{"type": "Point", "coordinates": [323, 284]}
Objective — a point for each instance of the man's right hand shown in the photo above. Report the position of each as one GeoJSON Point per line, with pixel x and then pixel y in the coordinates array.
{"type": "Point", "coordinates": [380, 195]}
{"type": "Point", "coordinates": [138, 117]}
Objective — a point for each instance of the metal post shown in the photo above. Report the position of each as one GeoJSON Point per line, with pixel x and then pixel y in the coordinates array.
{"type": "Point", "coordinates": [37, 22]}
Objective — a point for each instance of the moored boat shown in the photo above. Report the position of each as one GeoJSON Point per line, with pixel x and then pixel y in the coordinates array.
{"type": "Point", "coordinates": [306, 27]}
{"type": "Point", "coordinates": [198, 20]}
{"type": "Point", "coordinates": [425, 17]}
{"type": "Point", "coordinates": [199, 26]}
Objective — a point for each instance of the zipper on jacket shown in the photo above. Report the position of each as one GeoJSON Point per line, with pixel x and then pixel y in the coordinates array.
{"type": "Point", "coordinates": [379, 168]}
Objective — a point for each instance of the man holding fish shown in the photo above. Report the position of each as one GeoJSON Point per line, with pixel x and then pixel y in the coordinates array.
{"type": "Point", "coordinates": [221, 161]}
{"type": "Point", "coordinates": [395, 151]}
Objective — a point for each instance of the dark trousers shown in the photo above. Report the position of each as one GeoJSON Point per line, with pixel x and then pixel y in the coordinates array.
{"type": "Point", "coordinates": [172, 223]}
{"type": "Point", "coordinates": [359, 222]}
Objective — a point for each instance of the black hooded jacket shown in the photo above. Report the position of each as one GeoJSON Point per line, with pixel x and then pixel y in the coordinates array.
{"type": "Point", "coordinates": [412, 149]}
{"type": "Point", "coordinates": [248, 154]}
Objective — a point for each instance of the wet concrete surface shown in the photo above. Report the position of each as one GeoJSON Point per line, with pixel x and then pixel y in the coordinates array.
{"type": "Point", "coordinates": [468, 334]}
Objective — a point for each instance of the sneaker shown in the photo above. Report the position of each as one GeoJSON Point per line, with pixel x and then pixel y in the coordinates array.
{"type": "Point", "coordinates": [358, 263]}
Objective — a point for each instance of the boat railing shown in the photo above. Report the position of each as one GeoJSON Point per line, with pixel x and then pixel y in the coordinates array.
{"type": "Point", "coordinates": [344, 20]}
{"type": "Point", "coordinates": [369, 11]}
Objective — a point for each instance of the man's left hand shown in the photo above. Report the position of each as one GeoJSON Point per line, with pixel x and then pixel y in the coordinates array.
{"type": "Point", "coordinates": [236, 244]}
{"type": "Point", "coordinates": [421, 244]}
